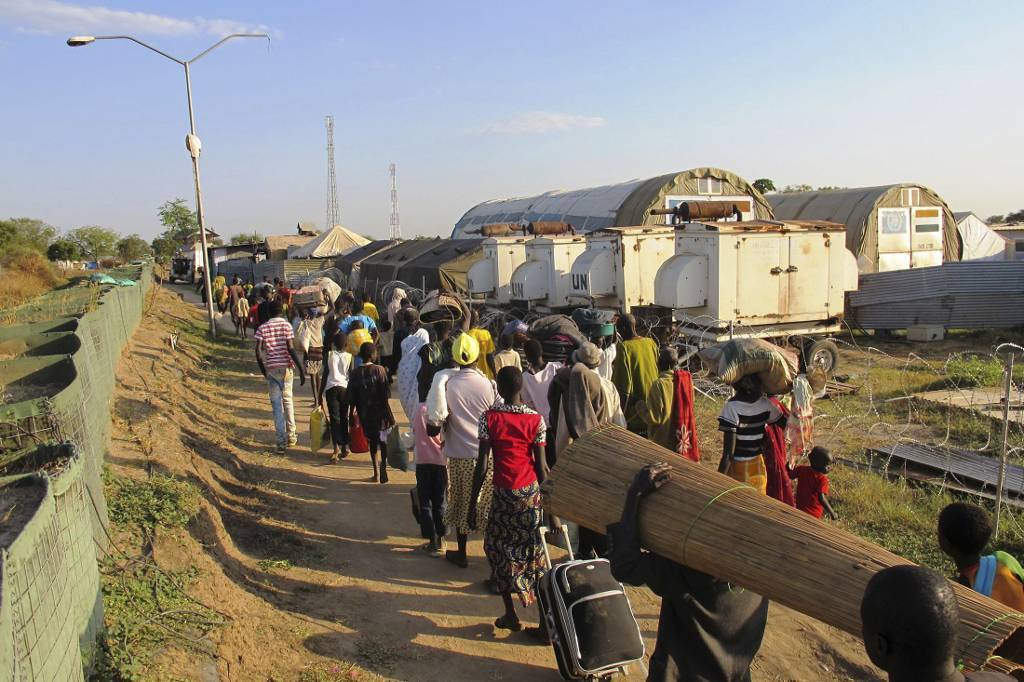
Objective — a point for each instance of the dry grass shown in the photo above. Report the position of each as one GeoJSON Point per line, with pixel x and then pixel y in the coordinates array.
{"type": "Point", "coordinates": [25, 276]}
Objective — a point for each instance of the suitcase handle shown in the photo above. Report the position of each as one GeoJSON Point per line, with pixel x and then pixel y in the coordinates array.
{"type": "Point", "coordinates": [543, 530]}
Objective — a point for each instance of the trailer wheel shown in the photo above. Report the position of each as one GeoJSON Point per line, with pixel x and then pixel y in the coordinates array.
{"type": "Point", "coordinates": [824, 354]}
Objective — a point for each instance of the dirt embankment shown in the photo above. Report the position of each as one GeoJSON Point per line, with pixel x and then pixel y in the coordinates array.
{"type": "Point", "coordinates": [316, 567]}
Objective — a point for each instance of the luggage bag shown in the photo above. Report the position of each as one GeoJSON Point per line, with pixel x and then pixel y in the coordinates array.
{"type": "Point", "coordinates": [588, 617]}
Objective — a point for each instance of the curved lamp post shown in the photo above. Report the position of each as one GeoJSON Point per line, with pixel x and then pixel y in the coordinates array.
{"type": "Point", "coordinates": [192, 143]}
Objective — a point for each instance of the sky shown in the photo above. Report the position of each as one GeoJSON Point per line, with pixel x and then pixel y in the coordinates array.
{"type": "Point", "coordinates": [487, 100]}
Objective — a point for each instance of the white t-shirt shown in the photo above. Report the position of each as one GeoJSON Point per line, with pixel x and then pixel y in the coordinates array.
{"type": "Point", "coordinates": [339, 363]}
{"type": "Point", "coordinates": [535, 389]}
{"type": "Point", "coordinates": [607, 359]}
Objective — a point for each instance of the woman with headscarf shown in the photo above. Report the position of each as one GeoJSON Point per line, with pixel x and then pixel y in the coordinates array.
{"type": "Point", "coordinates": [581, 401]}
{"type": "Point", "coordinates": [397, 296]}
{"type": "Point", "coordinates": [409, 365]}
{"type": "Point", "coordinates": [634, 370]}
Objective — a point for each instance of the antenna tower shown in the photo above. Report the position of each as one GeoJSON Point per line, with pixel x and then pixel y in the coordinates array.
{"type": "Point", "coordinates": [396, 228]}
{"type": "Point", "coordinates": [333, 215]}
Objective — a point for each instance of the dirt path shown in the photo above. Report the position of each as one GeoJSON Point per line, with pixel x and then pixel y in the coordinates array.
{"type": "Point", "coordinates": [317, 566]}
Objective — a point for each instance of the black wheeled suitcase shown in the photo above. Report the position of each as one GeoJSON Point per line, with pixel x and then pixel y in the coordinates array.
{"type": "Point", "coordinates": [588, 617]}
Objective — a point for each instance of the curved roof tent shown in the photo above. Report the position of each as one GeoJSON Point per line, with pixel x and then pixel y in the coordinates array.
{"type": "Point", "coordinates": [857, 208]}
{"type": "Point", "coordinates": [620, 205]}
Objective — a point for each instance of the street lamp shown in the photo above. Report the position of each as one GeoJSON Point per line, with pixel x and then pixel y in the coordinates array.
{"type": "Point", "coordinates": [192, 143]}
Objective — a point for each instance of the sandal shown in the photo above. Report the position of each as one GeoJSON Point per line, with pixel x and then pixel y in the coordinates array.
{"type": "Point", "coordinates": [506, 622]}
{"type": "Point", "coordinates": [456, 558]}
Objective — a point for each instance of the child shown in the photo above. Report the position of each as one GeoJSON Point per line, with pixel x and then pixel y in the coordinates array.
{"type": "Point", "coordinates": [506, 355]}
{"type": "Point", "coordinates": [335, 380]}
{"type": "Point", "coordinates": [742, 421]}
{"type": "Point", "coordinates": [431, 484]}
{"type": "Point", "coordinates": [910, 620]}
{"type": "Point", "coordinates": [357, 336]}
{"type": "Point", "coordinates": [812, 484]}
{"type": "Point", "coordinates": [515, 435]}
{"type": "Point", "coordinates": [368, 396]}
{"type": "Point", "coordinates": [964, 531]}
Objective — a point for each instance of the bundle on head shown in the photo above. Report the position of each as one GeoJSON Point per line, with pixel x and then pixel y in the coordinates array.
{"type": "Point", "coordinates": [732, 360]}
{"type": "Point", "coordinates": [441, 305]}
{"type": "Point", "coordinates": [558, 335]}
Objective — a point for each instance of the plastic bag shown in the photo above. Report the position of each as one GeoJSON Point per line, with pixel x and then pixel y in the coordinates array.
{"type": "Point", "coordinates": [398, 456]}
{"type": "Point", "coordinates": [357, 442]}
{"type": "Point", "coordinates": [735, 359]}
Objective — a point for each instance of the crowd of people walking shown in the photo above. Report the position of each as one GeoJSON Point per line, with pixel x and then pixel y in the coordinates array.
{"type": "Point", "coordinates": [488, 420]}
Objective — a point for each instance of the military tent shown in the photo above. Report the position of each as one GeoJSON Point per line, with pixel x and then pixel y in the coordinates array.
{"type": "Point", "coordinates": [382, 267]}
{"type": "Point", "coordinates": [349, 263]}
{"type": "Point", "coordinates": [444, 266]}
{"type": "Point", "coordinates": [621, 205]}
{"type": "Point", "coordinates": [889, 227]}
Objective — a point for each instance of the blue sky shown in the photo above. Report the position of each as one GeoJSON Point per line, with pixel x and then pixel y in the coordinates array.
{"type": "Point", "coordinates": [475, 101]}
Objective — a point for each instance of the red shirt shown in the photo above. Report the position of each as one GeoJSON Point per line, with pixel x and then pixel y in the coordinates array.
{"type": "Point", "coordinates": [275, 334]}
{"type": "Point", "coordinates": [810, 484]}
{"type": "Point", "coordinates": [512, 430]}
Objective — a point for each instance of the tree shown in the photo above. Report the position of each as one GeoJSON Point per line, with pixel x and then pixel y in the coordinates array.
{"type": "Point", "coordinates": [764, 185]}
{"type": "Point", "coordinates": [132, 248]}
{"type": "Point", "coordinates": [164, 248]}
{"type": "Point", "coordinates": [247, 238]}
{"type": "Point", "coordinates": [21, 235]}
{"type": "Point", "coordinates": [830, 187]}
{"type": "Point", "coordinates": [94, 241]}
{"type": "Point", "coordinates": [179, 220]}
{"type": "Point", "coordinates": [995, 219]}
{"type": "Point", "coordinates": [796, 188]}
{"type": "Point", "coordinates": [1015, 217]}
{"type": "Point", "coordinates": [63, 249]}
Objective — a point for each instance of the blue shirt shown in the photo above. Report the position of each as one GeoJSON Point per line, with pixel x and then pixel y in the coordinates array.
{"type": "Point", "coordinates": [368, 323]}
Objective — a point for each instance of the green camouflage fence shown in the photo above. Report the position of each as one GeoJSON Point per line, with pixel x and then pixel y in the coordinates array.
{"type": "Point", "coordinates": [57, 368]}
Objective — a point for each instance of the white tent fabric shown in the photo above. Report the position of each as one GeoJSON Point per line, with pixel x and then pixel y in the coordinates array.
{"type": "Point", "coordinates": [980, 241]}
{"type": "Point", "coordinates": [335, 242]}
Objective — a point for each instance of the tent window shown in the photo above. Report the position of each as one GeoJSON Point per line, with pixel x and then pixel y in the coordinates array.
{"type": "Point", "coordinates": [910, 196]}
{"type": "Point", "coordinates": [709, 185]}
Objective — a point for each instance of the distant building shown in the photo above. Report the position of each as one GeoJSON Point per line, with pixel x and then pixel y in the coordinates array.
{"type": "Point", "coordinates": [889, 227]}
{"type": "Point", "coordinates": [1013, 233]}
{"type": "Point", "coordinates": [307, 228]}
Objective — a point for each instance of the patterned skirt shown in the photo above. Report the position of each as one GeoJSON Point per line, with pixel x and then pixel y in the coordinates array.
{"type": "Point", "coordinates": [750, 471]}
{"type": "Point", "coordinates": [460, 490]}
{"type": "Point", "coordinates": [511, 542]}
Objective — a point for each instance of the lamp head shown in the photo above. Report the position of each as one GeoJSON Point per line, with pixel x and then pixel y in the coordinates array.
{"type": "Point", "coordinates": [79, 41]}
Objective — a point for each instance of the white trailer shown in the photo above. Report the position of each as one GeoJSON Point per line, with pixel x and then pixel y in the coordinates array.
{"type": "Point", "coordinates": [544, 280]}
{"type": "Point", "coordinates": [615, 271]}
{"type": "Point", "coordinates": [764, 279]}
{"type": "Point", "coordinates": [490, 277]}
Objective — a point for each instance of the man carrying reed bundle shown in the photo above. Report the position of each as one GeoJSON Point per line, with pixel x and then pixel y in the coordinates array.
{"type": "Point", "coordinates": [708, 630]}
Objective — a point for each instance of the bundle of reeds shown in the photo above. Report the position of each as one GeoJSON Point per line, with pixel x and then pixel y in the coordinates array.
{"type": "Point", "coordinates": [710, 522]}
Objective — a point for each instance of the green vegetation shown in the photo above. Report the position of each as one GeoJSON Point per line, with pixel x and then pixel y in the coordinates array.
{"type": "Point", "coordinates": [900, 515]}
{"type": "Point", "coordinates": [94, 242]}
{"type": "Point", "coordinates": [270, 564]}
{"type": "Point", "coordinates": [132, 247]}
{"type": "Point", "coordinates": [146, 608]}
{"type": "Point", "coordinates": [246, 238]}
{"type": "Point", "coordinates": [159, 500]}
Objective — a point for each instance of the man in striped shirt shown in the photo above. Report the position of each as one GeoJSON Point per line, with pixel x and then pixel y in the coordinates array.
{"type": "Point", "coordinates": [275, 354]}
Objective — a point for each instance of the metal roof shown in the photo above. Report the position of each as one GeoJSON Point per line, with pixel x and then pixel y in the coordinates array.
{"type": "Point", "coordinates": [621, 204]}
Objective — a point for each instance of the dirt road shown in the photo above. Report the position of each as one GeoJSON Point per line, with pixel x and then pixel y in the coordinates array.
{"type": "Point", "coordinates": [316, 566]}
